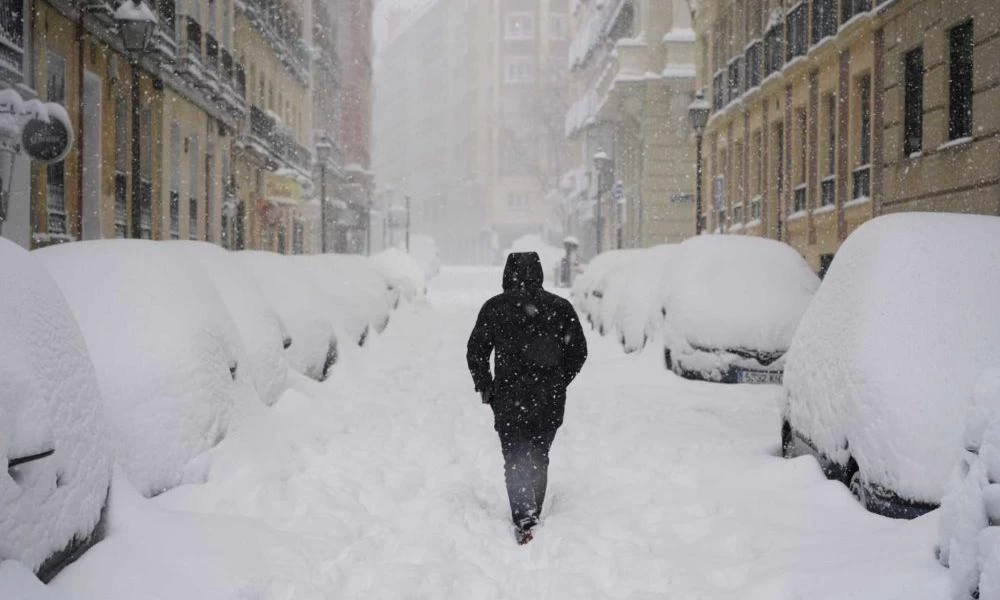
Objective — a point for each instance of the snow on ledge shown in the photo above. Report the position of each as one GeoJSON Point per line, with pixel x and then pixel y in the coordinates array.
{"type": "Point", "coordinates": [679, 35]}
{"type": "Point", "coordinates": [795, 216]}
{"type": "Point", "coordinates": [955, 143]}
{"type": "Point", "coordinates": [857, 202]}
{"type": "Point", "coordinates": [679, 71]}
{"type": "Point", "coordinates": [822, 210]}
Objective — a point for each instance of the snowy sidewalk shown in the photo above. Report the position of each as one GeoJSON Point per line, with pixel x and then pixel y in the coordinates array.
{"type": "Point", "coordinates": [387, 482]}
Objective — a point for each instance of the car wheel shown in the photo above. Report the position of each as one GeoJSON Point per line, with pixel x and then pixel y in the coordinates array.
{"type": "Point", "coordinates": [858, 489]}
{"type": "Point", "coordinates": [787, 440]}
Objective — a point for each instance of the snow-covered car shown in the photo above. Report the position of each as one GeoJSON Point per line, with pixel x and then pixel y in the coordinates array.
{"type": "Point", "coordinates": [638, 314]}
{"type": "Point", "coordinates": [969, 527]}
{"type": "Point", "coordinates": [169, 359]}
{"type": "Point", "coordinates": [732, 308]}
{"type": "Point", "coordinates": [589, 287]}
{"type": "Point", "coordinates": [402, 272]}
{"type": "Point", "coordinates": [314, 346]}
{"type": "Point", "coordinates": [885, 359]}
{"type": "Point", "coordinates": [53, 437]}
{"type": "Point", "coordinates": [264, 335]}
{"type": "Point", "coordinates": [356, 301]}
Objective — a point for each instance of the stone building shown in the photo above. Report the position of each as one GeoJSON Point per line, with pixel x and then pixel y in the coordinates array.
{"type": "Point", "coordinates": [633, 67]}
{"type": "Point", "coordinates": [827, 113]}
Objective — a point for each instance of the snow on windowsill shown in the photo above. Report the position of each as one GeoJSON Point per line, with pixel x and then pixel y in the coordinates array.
{"type": "Point", "coordinates": [679, 35]}
{"type": "Point", "coordinates": [857, 202]}
{"type": "Point", "coordinates": [795, 216]}
{"type": "Point", "coordinates": [679, 71]}
{"type": "Point", "coordinates": [822, 210]}
{"type": "Point", "coordinates": [955, 143]}
{"type": "Point", "coordinates": [753, 223]}
{"type": "Point", "coordinates": [736, 227]}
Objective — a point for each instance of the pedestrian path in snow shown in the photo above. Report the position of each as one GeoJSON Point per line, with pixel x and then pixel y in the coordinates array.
{"type": "Point", "coordinates": [387, 482]}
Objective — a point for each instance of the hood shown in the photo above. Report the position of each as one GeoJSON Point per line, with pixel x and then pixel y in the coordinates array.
{"type": "Point", "coordinates": [523, 272]}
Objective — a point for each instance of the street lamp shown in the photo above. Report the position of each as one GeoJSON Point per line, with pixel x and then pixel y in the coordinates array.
{"type": "Point", "coordinates": [698, 112]}
{"type": "Point", "coordinates": [602, 162]}
{"type": "Point", "coordinates": [136, 22]}
{"type": "Point", "coordinates": [323, 152]}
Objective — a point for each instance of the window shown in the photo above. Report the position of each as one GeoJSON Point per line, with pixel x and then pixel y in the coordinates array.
{"type": "Point", "coordinates": [520, 26]}
{"type": "Point", "coordinates": [755, 209]}
{"type": "Point", "coordinates": [298, 238]}
{"type": "Point", "coordinates": [824, 19]}
{"type": "Point", "coordinates": [682, 198]}
{"type": "Point", "coordinates": [774, 49]}
{"type": "Point", "coordinates": [850, 8]}
{"type": "Point", "coordinates": [797, 41]}
{"type": "Point", "coordinates": [719, 198]}
{"type": "Point", "coordinates": [828, 186]}
{"type": "Point", "coordinates": [801, 190]}
{"type": "Point", "coordinates": [735, 72]}
{"type": "Point", "coordinates": [121, 168]}
{"type": "Point", "coordinates": [862, 174]}
{"type": "Point", "coordinates": [557, 26]}
{"type": "Point", "coordinates": [520, 69]}
{"type": "Point", "coordinates": [865, 121]}
{"type": "Point", "coordinates": [56, 173]}
{"type": "Point", "coordinates": [960, 81]}
{"type": "Point", "coordinates": [12, 33]}
{"type": "Point", "coordinates": [175, 181]}
{"type": "Point", "coordinates": [146, 170]}
{"type": "Point", "coordinates": [209, 190]}
{"type": "Point", "coordinates": [193, 178]}
{"type": "Point", "coordinates": [913, 102]}
{"type": "Point", "coordinates": [719, 88]}
{"type": "Point", "coordinates": [753, 65]}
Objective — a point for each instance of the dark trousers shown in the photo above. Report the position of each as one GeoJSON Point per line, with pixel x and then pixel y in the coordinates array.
{"type": "Point", "coordinates": [526, 470]}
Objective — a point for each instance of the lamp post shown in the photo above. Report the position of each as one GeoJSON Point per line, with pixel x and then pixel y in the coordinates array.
{"type": "Point", "coordinates": [409, 205]}
{"type": "Point", "coordinates": [698, 112]}
{"type": "Point", "coordinates": [135, 26]}
{"type": "Point", "coordinates": [601, 163]}
{"type": "Point", "coordinates": [323, 151]}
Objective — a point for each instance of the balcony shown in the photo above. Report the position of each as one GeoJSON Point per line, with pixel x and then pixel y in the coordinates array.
{"type": "Point", "coordinates": [210, 82]}
{"type": "Point", "coordinates": [278, 146]}
{"type": "Point", "coordinates": [608, 22]}
{"type": "Point", "coordinates": [281, 26]}
{"type": "Point", "coordinates": [189, 59]}
{"type": "Point", "coordinates": [12, 39]}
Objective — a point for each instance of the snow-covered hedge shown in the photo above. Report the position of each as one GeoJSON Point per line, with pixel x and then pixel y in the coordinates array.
{"type": "Point", "coordinates": [49, 401]}
{"type": "Point", "coordinates": [166, 351]}
{"type": "Point", "coordinates": [885, 359]}
{"type": "Point", "coordinates": [969, 534]}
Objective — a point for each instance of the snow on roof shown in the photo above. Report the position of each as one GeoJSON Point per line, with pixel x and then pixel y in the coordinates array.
{"type": "Point", "coordinates": [135, 11]}
{"type": "Point", "coordinates": [887, 356]}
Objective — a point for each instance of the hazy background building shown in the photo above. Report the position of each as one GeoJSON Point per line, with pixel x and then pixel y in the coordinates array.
{"type": "Point", "coordinates": [470, 98]}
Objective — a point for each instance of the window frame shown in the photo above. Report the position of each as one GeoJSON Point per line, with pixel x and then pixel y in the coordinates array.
{"type": "Point", "coordinates": [913, 101]}
{"type": "Point", "coordinates": [509, 23]}
{"type": "Point", "coordinates": [960, 81]}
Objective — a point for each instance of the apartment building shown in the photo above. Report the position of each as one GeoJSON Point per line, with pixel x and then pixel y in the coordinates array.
{"type": "Point", "coordinates": [469, 105]}
{"type": "Point", "coordinates": [633, 69]}
{"type": "Point", "coordinates": [827, 113]}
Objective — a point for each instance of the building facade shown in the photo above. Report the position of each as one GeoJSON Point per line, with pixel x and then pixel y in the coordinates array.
{"type": "Point", "coordinates": [827, 113]}
{"type": "Point", "coordinates": [633, 68]}
{"type": "Point", "coordinates": [469, 105]}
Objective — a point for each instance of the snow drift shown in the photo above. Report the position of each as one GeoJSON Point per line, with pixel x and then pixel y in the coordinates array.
{"type": "Point", "coordinates": [168, 357]}
{"type": "Point", "coordinates": [885, 359]}
{"type": "Point", "coordinates": [49, 401]}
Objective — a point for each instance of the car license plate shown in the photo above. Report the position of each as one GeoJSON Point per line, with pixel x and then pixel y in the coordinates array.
{"type": "Point", "coordinates": [759, 377]}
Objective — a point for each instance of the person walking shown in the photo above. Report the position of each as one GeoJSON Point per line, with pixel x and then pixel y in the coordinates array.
{"type": "Point", "coordinates": [539, 349]}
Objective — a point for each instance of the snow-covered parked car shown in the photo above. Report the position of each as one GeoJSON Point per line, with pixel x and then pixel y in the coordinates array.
{"type": "Point", "coordinates": [262, 331]}
{"type": "Point", "coordinates": [402, 272]}
{"type": "Point", "coordinates": [590, 286]}
{"type": "Point", "coordinates": [314, 346]}
{"type": "Point", "coordinates": [885, 359]}
{"type": "Point", "coordinates": [969, 528]}
{"type": "Point", "coordinates": [638, 313]}
{"type": "Point", "coordinates": [353, 293]}
{"type": "Point", "coordinates": [53, 437]}
{"type": "Point", "coordinates": [169, 359]}
{"type": "Point", "coordinates": [732, 308]}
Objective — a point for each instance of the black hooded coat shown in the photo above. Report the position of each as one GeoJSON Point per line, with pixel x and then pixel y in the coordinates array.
{"type": "Point", "coordinates": [540, 348]}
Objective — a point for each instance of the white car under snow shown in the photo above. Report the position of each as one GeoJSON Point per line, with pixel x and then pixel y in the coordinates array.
{"type": "Point", "coordinates": [53, 436]}
{"type": "Point", "coordinates": [168, 357]}
{"type": "Point", "coordinates": [732, 306]}
{"type": "Point", "coordinates": [886, 358]}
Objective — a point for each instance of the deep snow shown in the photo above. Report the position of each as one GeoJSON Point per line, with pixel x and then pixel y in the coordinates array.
{"type": "Point", "coordinates": [386, 482]}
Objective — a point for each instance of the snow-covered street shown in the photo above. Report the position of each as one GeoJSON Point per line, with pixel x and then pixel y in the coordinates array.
{"type": "Point", "coordinates": [386, 481]}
